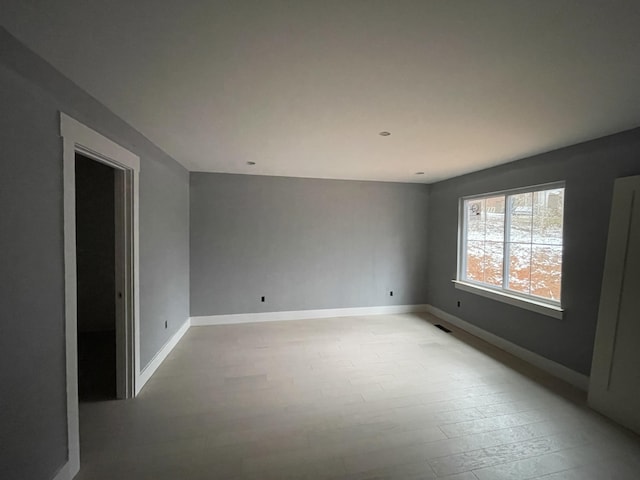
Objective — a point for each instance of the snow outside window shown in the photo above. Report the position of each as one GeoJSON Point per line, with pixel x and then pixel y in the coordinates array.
{"type": "Point", "coordinates": [512, 241]}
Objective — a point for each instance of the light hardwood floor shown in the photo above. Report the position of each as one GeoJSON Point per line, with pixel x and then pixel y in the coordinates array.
{"type": "Point", "coordinates": [378, 397]}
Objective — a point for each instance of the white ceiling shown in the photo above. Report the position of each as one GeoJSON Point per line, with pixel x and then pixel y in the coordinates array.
{"type": "Point", "coordinates": [303, 87]}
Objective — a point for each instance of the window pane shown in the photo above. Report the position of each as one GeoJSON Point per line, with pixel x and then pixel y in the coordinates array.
{"type": "Point", "coordinates": [521, 210]}
{"type": "Point", "coordinates": [494, 218]}
{"type": "Point", "coordinates": [475, 260]}
{"type": "Point", "coordinates": [493, 260]}
{"type": "Point", "coordinates": [546, 271]}
{"type": "Point", "coordinates": [520, 267]}
{"type": "Point", "coordinates": [475, 219]}
{"type": "Point", "coordinates": [547, 216]}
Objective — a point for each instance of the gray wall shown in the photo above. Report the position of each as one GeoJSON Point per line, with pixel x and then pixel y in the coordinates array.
{"type": "Point", "coordinates": [589, 170]}
{"type": "Point", "coordinates": [32, 368]}
{"type": "Point", "coordinates": [164, 253]}
{"type": "Point", "coordinates": [305, 243]}
{"type": "Point", "coordinates": [95, 245]}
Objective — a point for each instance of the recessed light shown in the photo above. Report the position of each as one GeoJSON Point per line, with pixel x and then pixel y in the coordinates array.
{"type": "Point", "coordinates": [384, 134]}
{"type": "Point", "coordinates": [419, 173]}
{"type": "Point", "coordinates": [251, 163]}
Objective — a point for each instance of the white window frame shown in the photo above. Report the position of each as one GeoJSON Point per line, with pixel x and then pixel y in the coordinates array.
{"type": "Point", "coordinates": [530, 302]}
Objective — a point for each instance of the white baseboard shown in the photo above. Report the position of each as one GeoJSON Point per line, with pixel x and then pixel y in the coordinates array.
{"type": "Point", "coordinates": [157, 360]}
{"type": "Point", "coordinates": [570, 376]}
{"type": "Point", "coordinates": [63, 473]}
{"type": "Point", "coordinates": [304, 314]}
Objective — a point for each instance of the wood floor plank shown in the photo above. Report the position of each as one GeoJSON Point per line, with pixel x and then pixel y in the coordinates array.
{"type": "Point", "coordinates": [372, 397]}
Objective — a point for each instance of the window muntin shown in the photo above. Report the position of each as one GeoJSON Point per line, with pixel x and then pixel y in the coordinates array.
{"type": "Point", "coordinates": [512, 241]}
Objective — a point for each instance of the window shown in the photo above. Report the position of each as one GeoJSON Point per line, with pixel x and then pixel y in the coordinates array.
{"type": "Point", "coordinates": [511, 242]}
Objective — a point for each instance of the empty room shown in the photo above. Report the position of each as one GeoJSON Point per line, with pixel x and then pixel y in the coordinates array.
{"type": "Point", "coordinates": [357, 239]}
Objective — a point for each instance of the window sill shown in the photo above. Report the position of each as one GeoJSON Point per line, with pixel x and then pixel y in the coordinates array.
{"type": "Point", "coordinates": [538, 307]}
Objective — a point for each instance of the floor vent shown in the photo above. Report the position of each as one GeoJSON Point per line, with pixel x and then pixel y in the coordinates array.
{"type": "Point", "coordinates": [444, 329]}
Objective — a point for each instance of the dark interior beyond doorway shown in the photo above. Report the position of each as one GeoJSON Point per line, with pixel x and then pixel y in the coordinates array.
{"type": "Point", "coordinates": [95, 256]}
{"type": "Point", "coordinates": [96, 365]}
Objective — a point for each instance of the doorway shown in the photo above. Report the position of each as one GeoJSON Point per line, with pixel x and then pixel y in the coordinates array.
{"type": "Point", "coordinates": [96, 279]}
{"type": "Point", "coordinates": [119, 307]}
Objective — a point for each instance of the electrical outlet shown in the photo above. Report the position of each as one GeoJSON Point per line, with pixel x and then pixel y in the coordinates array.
{"type": "Point", "coordinates": [391, 293]}
{"type": "Point", "coordinates": [166, 324]}
{"type": "Point", "coordinates": [458, 303]}
{"type": "Point", "coordinates": [262, 299]}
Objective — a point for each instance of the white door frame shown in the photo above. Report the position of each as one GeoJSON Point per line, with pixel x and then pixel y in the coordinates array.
{"type": "Point", "coordinates": [78, 138]}
{"type": "Point", "coordinates": [604, 396]}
